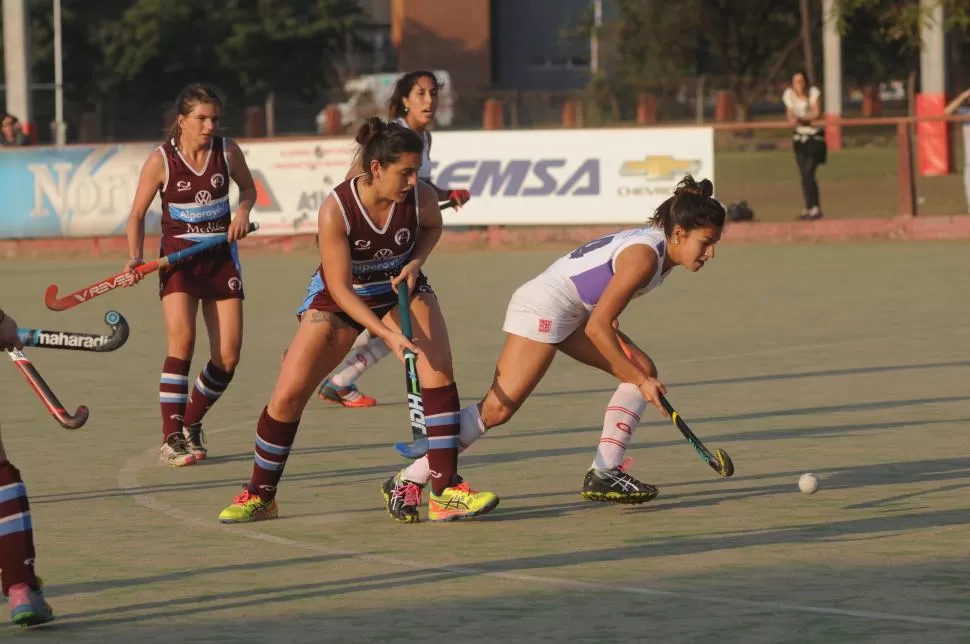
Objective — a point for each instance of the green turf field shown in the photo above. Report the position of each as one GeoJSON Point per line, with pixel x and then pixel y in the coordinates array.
{"type": "Point", "coordinates": [855, 183]}
{"type": "Point", "coordinates": [850, 361]}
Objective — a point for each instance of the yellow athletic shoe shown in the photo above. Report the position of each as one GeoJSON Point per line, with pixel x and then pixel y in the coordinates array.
{"type": "Point", "coordinates": [459, 502]}
{"type": "Point", "coordinates": [249, 507]}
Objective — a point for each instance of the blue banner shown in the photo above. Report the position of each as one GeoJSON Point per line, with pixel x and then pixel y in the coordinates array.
{"type": "Point", "coordinates": [72, 191]}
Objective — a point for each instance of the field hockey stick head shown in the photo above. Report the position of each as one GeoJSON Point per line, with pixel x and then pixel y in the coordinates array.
{"type": "Point", "coordinates": [119, 331]}
{"type": "Point", "coordinates": [75, 421]}
{"type": "Point", "coordinates": [718, 460]}
{"type": "Point", "coordinates": [51, 299]}
{"type": "Point", "coordinates": [413, 450]}
{"type": "Point", "coordinates": [725, 466]}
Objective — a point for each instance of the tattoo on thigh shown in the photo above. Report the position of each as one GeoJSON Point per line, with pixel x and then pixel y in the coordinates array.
{"type": "Point", "coordinates": [336, 325]}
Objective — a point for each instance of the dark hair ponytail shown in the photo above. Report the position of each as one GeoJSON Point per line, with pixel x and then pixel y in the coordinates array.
{"type": "Point", "coordinates": [385, 142]}
{"type": "Point", "coordinates": [691, 206]}
{"type": "Point", "coordinates": [402, 89]}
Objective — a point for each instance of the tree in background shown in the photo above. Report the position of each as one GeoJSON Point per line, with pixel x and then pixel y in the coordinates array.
{"type": "Point", "coordinates": [746, 45]}
{"type": "Point", "coordinates": [123, 58]}
{"type": "Point", "coordinates": [656, 45]}
{"type": "Point", "coordinates": [882, 37]}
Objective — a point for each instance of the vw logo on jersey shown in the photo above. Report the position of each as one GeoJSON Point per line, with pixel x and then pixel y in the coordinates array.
{"type": "Point", "coordinates": [203, 197]}
{"type": "Point", "coordinates": [402, 237]}
{"type": "Point", "coordinates": [383, 253]}
{"type": "Point", "coordinates": [217, 181]}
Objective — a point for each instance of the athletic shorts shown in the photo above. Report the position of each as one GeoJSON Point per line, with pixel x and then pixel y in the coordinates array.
{"type": "Point", "coordinates": [540, 311]}
{"type": "Point", "coordinates": [214, 274]}
{"type": "Point", "coordinates": [314, 303]}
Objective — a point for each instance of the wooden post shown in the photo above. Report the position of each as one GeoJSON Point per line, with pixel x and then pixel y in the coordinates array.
{"type": "Point", "coordinates": [569, 115]}
{"type": "Point", "coordinates": [492, 115]}
{"type": "Point", "coordinates": [334, 122]}
{"type": "Point", "coordinates": [646, 108]}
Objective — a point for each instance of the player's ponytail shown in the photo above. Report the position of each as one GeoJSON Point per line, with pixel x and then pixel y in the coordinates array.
{"type": "Point", "coordinates": [692, 206]}
{"type": "Point", "coordinates": [385, 142]}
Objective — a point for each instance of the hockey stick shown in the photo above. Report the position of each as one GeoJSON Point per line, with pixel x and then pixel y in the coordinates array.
{"type": "Point", "coordinates": [418, 447]}
{"type": "Point", "coordinates": [71, 300]}
{"type": "Point", "coordinates": [719, 460]}
{"type": "Point", "coordinates": [54, 406]}
{"type": "Point", "coordinates": [76, 341]}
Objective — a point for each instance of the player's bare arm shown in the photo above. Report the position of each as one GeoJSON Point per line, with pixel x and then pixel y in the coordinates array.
{"type": "Point", "coordinates": [240, 173]}
{"type": "Point", "coordinates": [635, 266]}
{"type": "Point", "coordinates": [335, 259]}
{"type": "Point", "coordinates": [149, 183]}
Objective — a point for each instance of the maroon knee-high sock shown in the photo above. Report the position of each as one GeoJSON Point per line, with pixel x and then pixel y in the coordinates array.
{"type": "Point", "coordinates": [16, 533]}
{"type": "Point", "coordinates": [442, 412]}
{"type": "Point", "coordinates": [173, 390]}
{"type": "Point", "coordinates": [273, 442]}
{"type": "Point", "coordinates": [209, 387]}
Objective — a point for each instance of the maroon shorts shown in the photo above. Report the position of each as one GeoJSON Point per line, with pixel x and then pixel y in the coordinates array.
{"type": "Point", "coordinates": [211, 275]}
{"type": "Point", "coordinates": [318, 299]}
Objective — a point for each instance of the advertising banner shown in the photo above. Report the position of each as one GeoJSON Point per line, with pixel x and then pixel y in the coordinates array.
{"type": "Point", "coordinates": [535, 177]}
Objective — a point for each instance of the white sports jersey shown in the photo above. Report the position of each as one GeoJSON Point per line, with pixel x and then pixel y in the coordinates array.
{"type": "Point", "coordinates": [424, 172]}
{"type": "Point", "coordinates": [583, 274]}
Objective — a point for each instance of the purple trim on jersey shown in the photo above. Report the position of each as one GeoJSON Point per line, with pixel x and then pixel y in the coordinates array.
{"type": "Point", "coordinates": [591, 284]}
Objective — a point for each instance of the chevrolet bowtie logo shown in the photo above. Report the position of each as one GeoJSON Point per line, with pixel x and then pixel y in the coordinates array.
{"type": "Point", "coordinates": [660, 168]}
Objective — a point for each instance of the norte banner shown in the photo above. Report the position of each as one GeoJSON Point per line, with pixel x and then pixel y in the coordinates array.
{"type": "Point", "coordinates": [87, 190]}
{"type": "Point", "coordinates": [72, 191]}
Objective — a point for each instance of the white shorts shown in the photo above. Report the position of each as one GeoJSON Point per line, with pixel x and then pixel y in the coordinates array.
{"type": "Point", "coordinates": [540, 311]}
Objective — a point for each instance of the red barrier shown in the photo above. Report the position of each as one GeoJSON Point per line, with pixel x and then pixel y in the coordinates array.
{"type": "Point", "coordinates": [931, 136]}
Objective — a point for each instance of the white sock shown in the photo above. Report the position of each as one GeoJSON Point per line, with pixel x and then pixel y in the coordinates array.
{"type": "Point", "coordinates": [365, 353]}
{"type": "Point", "coordinates": [471, 429]}
{"type": "Point", "coordinates": [622, 416]}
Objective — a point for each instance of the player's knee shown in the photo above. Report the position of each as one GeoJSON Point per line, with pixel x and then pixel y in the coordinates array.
{"type": "Point", "coordinates": [226, 360]}
{"type": "Point", "coordinates": [440, 366]}
{"type": "Point", "coordinates": [181, 344]}
{"type": "Point", "coordinates": [496, 412]}
{"type": "Point", "coordinates": [287, 404]}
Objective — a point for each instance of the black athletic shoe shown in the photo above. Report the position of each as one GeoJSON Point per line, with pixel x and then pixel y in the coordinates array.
{"type": "Point", "coordinates": [195, 441]}
{"type": "Point", "coordinates": [616, 486]}
{"type": "Point", "coordinates": [402, 499]}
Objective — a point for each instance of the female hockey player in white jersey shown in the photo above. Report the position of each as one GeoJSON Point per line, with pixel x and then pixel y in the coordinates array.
{"type": "Point", "coordinates": [573, 307]}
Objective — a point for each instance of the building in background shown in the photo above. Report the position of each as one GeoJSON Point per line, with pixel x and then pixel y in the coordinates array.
{"type": "Point", "coordinates": [496, 44]}
{"type": "Point", "coordinates": [380, 57]}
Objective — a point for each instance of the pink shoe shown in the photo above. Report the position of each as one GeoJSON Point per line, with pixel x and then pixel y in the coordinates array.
{"type": "Point", "coordinates": [28, 606]}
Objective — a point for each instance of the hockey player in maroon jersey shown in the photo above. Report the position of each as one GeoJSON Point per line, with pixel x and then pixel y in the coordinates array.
{"type": "Point", "coordinates": [191, 171]}
{"type": "Point", "coordinates": [376, 231]}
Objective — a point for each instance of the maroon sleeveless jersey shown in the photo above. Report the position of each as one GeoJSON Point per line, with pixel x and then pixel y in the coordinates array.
{"type": "Point", "coordinates": [376, 254]}
{"type": "Point", "coordinates": [195, 207]}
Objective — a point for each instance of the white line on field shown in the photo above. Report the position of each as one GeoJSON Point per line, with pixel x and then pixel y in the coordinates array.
{"type": "Point", "coordinates": [128, 482]}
